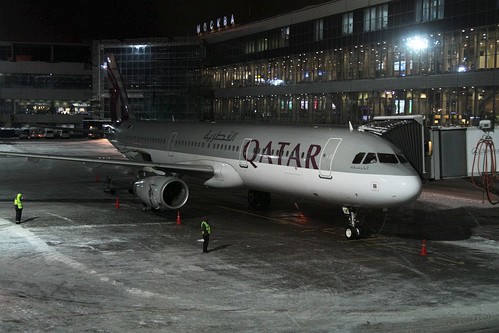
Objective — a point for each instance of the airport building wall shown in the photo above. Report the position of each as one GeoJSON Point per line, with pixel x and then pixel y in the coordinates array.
{"type": "Point", "coordinates": [40, 80]}
{"type": "Point", "coordinates": [352, 60]}
{"type": "Point", "coordinates": [162, 76]}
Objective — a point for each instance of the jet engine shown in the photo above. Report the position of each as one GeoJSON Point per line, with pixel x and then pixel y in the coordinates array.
{"type": "Point", "coordinates": [160, 192]}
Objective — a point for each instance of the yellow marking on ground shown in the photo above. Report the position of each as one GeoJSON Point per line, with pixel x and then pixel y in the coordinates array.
{"type": "Point", "coordinates": [262, 216]}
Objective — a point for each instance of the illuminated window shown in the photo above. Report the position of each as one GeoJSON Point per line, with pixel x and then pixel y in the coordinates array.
{"type": "Point", "coordinates": [318, 30]}
{"type": "Point", "coordinates": [348, 24]}
{"type": "Point", "coordinates": [376, 18]}
{"type": "Point", "coordinates": [429, 10]}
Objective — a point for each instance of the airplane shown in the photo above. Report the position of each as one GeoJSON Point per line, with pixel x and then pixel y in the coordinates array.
{"type": "Point", "coordinates": [336, 166]}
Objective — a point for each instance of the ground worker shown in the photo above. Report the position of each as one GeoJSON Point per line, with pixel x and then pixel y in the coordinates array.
{"type": "Point", "coordinates": [205, 231]}
{"type": "Point", "coordinates": [18, 204]}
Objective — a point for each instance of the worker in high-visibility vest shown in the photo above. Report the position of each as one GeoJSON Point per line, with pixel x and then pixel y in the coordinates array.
{"type": "Point", "coordinates": [18, 204]}
{"type": "Point", "coordinates": [205, 231]}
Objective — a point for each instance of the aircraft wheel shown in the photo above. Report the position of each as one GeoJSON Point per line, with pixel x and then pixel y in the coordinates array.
{"type": "Point", "coordinates": [350, 233]}
{"type": "Point", "coordinates": [252, 198]}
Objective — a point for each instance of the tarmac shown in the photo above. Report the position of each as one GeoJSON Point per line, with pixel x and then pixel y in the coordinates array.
{"type": "Point", "coordinates": [86, 260]}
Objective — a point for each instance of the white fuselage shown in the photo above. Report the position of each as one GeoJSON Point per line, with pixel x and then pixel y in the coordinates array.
{"type": "Point", "coordinates": [325, 164]}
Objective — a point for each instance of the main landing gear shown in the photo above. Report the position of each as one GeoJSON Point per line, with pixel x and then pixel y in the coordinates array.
{"type": "Point", "coordinates": [258, 199]}
{"type": "Point", "coordinates": [352, 231]}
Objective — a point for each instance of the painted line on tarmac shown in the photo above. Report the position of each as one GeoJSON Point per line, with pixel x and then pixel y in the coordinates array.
{"type": "Point", "coordinates": [262, 216]}
{"type": "Point", "coordinates": [107, 225]}
{"type": "Point", "coordinates": [433, 257]}
{"type": "Point", "coordinates": [62, 217]}
{"type": "Point", "coordinates": [375, 242]}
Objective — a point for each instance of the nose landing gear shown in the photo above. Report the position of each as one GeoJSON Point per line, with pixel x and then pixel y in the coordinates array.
{"type": "Point", "coordinates": [352, 231]}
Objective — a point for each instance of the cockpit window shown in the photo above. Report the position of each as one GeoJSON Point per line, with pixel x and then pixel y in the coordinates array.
{"type": "Point", "coordinates": [370, 158]}
{"type": "Point", "coordinates": [358, 158]}
{"type": "Point", "coordinates": [402, 158]}
{"type": "Point", "coordinates": [387, 158]}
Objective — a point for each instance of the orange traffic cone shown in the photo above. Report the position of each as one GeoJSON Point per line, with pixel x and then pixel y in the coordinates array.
{"type": "Point", "coordinates": [178, 218]}
{"type": "Point", "coordinates": [117, 203]}
{"type": "Point", "coordinates": [423, 249]}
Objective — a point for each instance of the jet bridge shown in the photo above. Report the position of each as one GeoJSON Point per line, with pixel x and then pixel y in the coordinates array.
{"type": "Point", "coordinates": [407, 133]}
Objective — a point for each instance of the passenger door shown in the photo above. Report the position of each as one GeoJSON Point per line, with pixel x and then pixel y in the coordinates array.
{"type": "Point", "coordinates": [171, 144]}
{"type": "Point", "coordinates": [327, 157]}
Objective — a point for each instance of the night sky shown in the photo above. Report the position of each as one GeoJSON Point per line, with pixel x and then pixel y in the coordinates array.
{"type": "Point", "coordinates": [75, 21]}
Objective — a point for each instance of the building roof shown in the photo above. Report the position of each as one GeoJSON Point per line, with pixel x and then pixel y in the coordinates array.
{"type": "Point", "coordinates": [298, 16]}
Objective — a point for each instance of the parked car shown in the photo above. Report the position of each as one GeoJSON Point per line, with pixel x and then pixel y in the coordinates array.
{"type": "Point", "coordinates": [63, 134]}
{"type": "Point", "coordinates": [49, 133]}
{"type": "Point", "coordinates": [35, 133]}
{"type": "Point", "coordinates": [24, 133]}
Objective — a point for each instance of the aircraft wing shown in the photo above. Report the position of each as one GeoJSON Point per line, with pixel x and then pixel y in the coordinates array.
{"type": "Point", "coordinates": [167, 167]}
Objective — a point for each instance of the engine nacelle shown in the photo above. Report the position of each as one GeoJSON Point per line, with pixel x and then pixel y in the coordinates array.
{"type": "Point", "coordinates": [159, 192]}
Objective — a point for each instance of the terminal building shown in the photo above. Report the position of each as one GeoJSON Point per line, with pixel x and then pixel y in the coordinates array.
{"type": "Point", "coordinates": [45, 84]}
{"type": "Point", "coordinates": [162, 77]}
{"type": "Point", "coordinates": [331, 63]}
{"type": "Point", "coordinates": [346, 60]}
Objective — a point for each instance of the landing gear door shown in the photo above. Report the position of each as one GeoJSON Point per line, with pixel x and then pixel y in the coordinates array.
{"type": "Point", "coordinates": [244, 152]}
{"type": "Point", "coordinates": [327, 157]}
{"type": "Point", "coordinates": [171, 144]}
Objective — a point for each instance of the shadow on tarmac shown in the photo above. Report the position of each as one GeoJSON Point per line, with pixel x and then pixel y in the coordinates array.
{"type": "Point", "coordinates": [221, 247]}
{"type": "Point", "coordinates": [29, 220]}
{"type": "Point", "coordinates": [441, 225]}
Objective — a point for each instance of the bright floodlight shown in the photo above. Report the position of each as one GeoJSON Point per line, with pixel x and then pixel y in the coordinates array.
{"type": "Point", "coordinates": [417, 43]}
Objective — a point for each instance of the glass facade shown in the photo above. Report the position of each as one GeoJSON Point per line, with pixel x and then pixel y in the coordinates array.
{"type": "Point", "coordinates": [162, 77]}
{"type": "Point", "coordinates": [433, 57]}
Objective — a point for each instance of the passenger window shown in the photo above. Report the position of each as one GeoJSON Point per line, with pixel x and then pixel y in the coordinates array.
{"type": "Point", "coordinates": [370, 158]}
{"type": "Point", "coordinates": [358, 158]}
{"type": "Point", "coordinates": [387, 158]}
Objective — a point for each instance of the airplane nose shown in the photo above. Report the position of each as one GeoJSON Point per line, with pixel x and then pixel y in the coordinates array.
{"type": "Point", "coordinates": [408, 190]}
